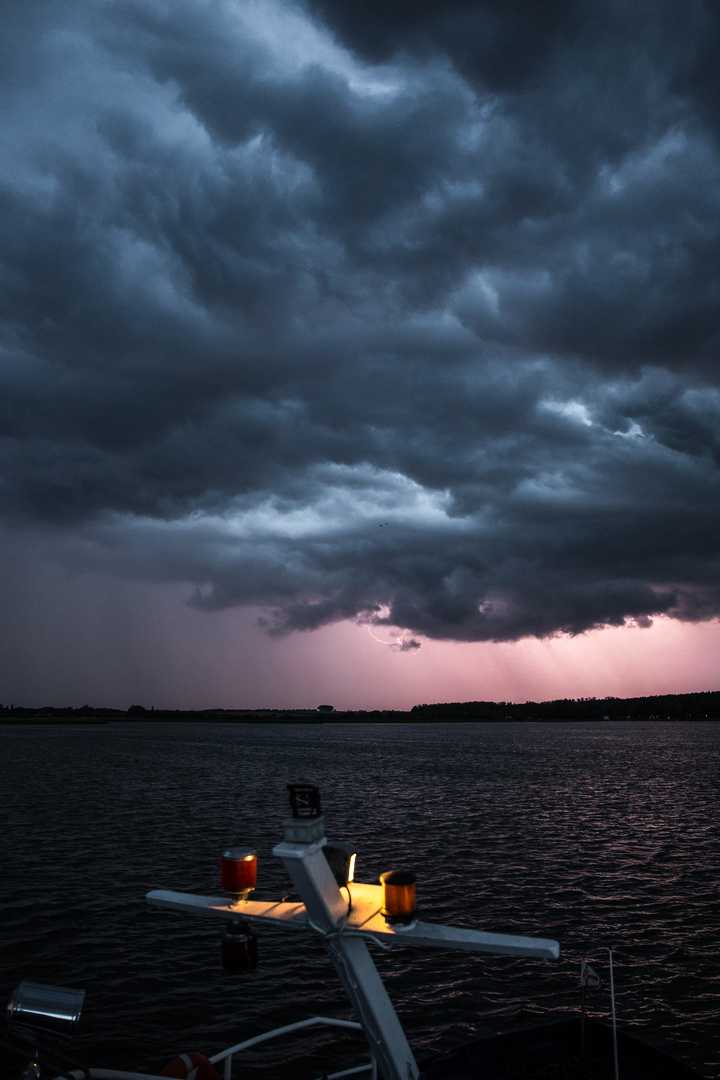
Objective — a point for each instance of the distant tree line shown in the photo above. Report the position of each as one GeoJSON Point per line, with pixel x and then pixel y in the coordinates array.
{"type": "Point", "coordinates": [698, 706]}
{"type": "Point", "coordinates": [321, 714]}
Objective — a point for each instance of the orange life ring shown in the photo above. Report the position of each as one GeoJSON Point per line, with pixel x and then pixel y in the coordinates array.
{"type": "Point", "coordinates": [191, 1066]}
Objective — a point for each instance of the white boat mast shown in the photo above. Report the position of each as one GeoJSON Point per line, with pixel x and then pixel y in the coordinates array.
{"type": "Point", "coordinates": [324, 909]}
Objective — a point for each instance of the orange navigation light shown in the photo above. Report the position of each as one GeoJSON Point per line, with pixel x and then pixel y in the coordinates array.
{"type": "Point", "coordinates": [238, 871]}
{"type": "Point", "coordinates": [398, 896]}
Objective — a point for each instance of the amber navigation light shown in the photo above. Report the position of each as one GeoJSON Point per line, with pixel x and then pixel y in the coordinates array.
{"type": "Point", "coordinates": [399, 896]}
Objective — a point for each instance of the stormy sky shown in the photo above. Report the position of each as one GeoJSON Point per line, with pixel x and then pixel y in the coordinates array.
{"type": "Point", "coordinates": [348, 310]}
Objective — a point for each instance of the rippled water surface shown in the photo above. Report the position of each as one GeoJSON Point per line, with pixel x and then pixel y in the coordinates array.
{"type": "Point", "coordinates": [594, 834]}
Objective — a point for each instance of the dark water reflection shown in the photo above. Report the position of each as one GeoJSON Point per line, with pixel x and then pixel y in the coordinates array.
{"type": "Point", "coordinates": [595, 834]}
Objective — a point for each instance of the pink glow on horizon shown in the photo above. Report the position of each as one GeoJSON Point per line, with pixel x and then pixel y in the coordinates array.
{"type": "Point", "coordinates": [358, 672]}
{"type": "Point", "coordinates": [76, 639]}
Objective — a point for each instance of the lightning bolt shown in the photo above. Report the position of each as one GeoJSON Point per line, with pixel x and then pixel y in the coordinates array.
{"type": "Point", "coordinates": [396, 643]}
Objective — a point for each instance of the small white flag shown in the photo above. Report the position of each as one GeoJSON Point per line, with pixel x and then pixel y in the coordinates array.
{"type": "Point", "coordinates": [589, 976]}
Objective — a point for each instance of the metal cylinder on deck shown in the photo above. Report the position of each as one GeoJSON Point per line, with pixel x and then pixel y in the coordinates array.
{"type": "Point", "coordinates": [50, 1010]}
{"type": "Point", "coordinates": [238, 870]}
{"type": "Point", "coordinates": [239, 947]}
{"type": "Point", "coordinates": [399, 896]}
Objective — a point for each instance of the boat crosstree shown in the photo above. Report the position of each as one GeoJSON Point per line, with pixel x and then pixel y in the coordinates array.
{"type": "Point", "coordinates": [364, 918]}
{"type": "Point", "coordinates": [382, 913]}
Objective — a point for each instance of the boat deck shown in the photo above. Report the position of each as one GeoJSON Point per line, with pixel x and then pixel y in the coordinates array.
{"type": "Point", "coordinates": [553, 1052]}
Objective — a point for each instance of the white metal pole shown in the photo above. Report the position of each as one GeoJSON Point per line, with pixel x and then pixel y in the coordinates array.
{"type": "Point", "coordinates": [325, 905]}
{"type": "Point", "coordinates": [614, 1021]}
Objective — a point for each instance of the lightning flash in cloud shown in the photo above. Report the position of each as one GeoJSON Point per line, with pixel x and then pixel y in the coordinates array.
{"type": "Point", "coordinates": [398, 644]}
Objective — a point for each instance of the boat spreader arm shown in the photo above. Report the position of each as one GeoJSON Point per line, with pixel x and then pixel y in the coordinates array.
{"type": "Point", "coordinates": [365, 919]}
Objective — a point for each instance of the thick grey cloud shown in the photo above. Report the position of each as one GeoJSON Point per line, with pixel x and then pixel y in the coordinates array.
{"type": "Point", "coordinates": [405, 313]}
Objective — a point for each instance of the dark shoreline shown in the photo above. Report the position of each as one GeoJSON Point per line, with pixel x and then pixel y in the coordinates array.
{"type": "Point", "coordinates": [43, 721]}
{"type": "Point", "coordinates": [703, 705]}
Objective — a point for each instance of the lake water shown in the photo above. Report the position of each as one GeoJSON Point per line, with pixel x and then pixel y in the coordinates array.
{"type": "Point", "coordinates": [594, 834]}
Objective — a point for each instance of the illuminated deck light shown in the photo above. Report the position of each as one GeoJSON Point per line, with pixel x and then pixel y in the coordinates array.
{"type": "Point", "coordinates": [341, 858]}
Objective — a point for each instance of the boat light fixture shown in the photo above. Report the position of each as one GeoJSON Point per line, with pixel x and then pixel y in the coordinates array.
{"type": "Point", "coordinates": [341, 858]}
{"type": "Point", "coordinates": [238, 871]}
{"type": "Point", "coordinates": [399, 897]}
{"type": "Point", "coordinates": [239, 947]}
{"type": "Point", "coordinates": [304, 800]}
{"type": "Point", "coordinates": [48, 1010]}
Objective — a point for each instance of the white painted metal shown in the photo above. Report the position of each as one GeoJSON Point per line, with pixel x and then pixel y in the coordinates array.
{"type": "Point", "coordinates": [228, 1055]}
{"type": "Point", "coordinates": [312, 877]}
{"type": "Point", "coordinates": [109, 1074]}
{"type": "Point", "coordinates": [325, 904]}
{"type": "Point", "coordinates": [116, 1074]}
{"type": "Point", "coordinates": [365, 919]}
{"type": "Point", "coordinates": [256, 911]}
{"type": "Point", "coordinates": [372, 1006]}
{"type": "Point", "coordinates": [304, 830]}
{"type": "Point", "coordinates": [350, 1072]}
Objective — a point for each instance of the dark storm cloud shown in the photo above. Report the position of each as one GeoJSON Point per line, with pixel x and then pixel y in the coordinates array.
{"type": "Point", "coordinates": [501, 42]}
{"type": "Point", "coordinates": [416, 323]}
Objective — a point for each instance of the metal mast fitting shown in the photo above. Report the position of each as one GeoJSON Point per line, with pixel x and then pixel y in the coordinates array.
{"type": "Point", "coordinates": [307, 823]}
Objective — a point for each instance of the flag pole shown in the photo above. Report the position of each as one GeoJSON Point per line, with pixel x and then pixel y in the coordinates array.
{"type": "Point", "coordinates": [582, 1015]}
{"type": "Point", "coordinates": [588, 977]}
{"type": "Point", "coordinates": [614, 1022]}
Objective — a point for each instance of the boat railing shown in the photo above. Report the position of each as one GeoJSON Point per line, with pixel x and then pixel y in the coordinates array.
{"type": "Point", "coordinates": [228, 1055]}
{"type": "Point", "coordinates": [107, 1074]}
